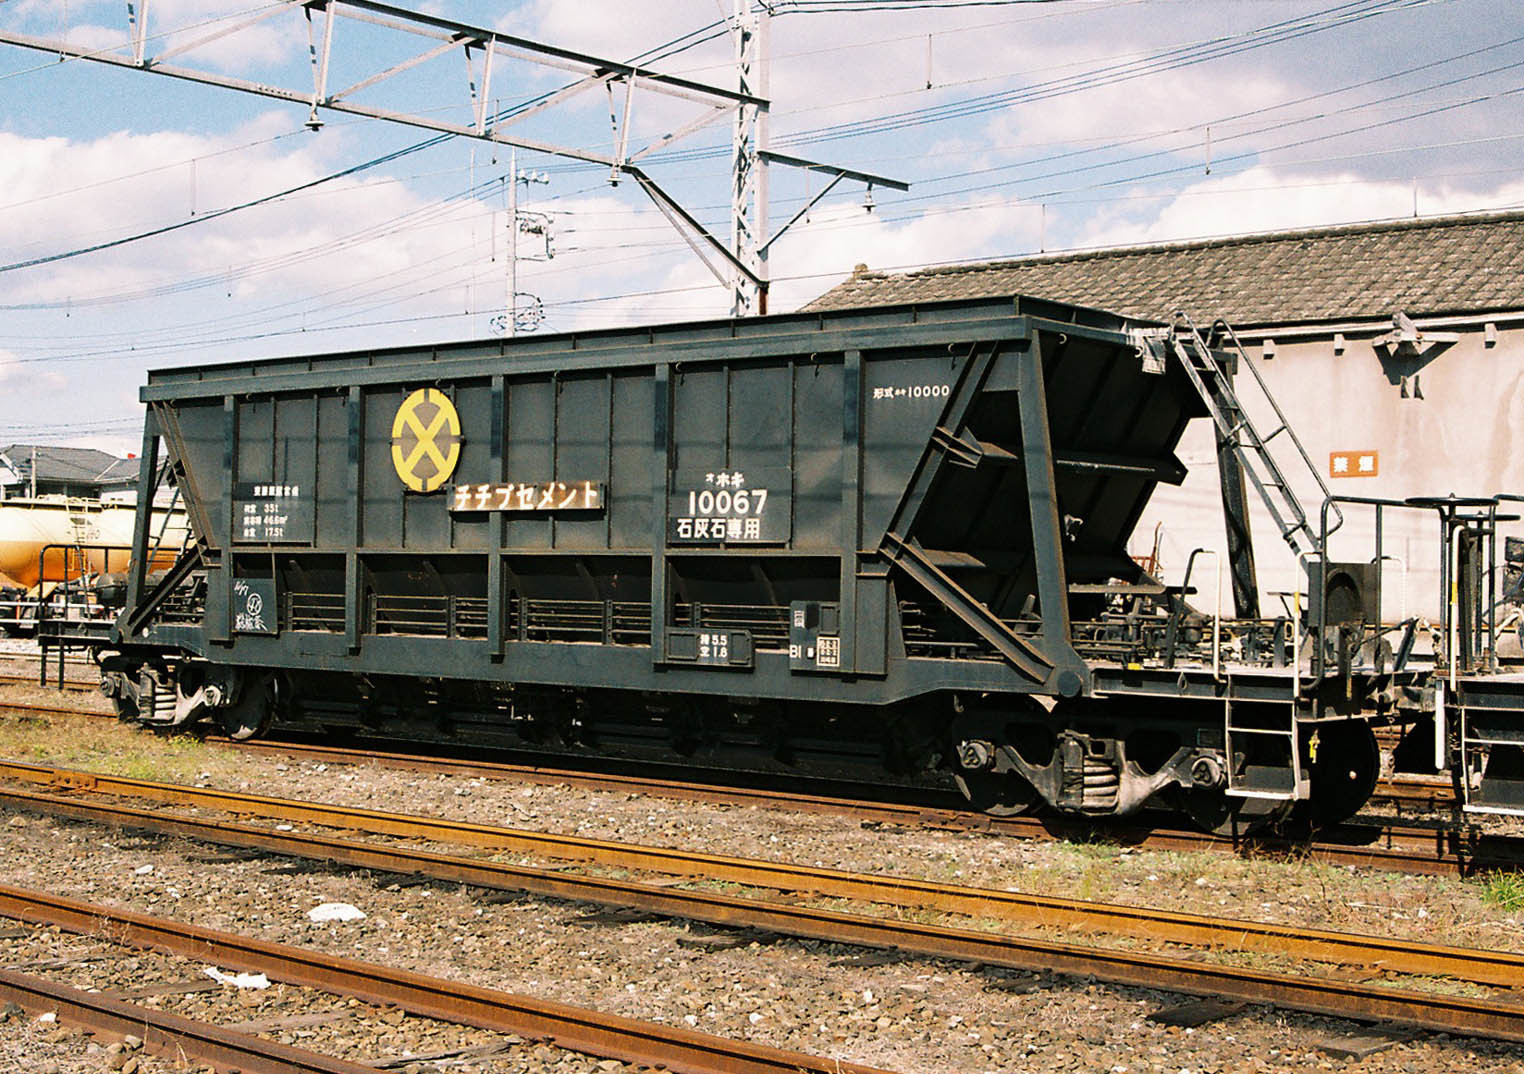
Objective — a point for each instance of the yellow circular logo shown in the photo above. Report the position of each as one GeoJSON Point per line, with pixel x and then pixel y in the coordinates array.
{"type": "Point", "coordinates": [425, 440]}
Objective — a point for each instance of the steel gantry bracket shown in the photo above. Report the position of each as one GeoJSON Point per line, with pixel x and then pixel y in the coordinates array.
{"type": "Point", "coordinates": [441, 36]}
{"type": "Point", "coordinates": [486, 52]}
{"type": "Point", "coordinates": [836, 173]}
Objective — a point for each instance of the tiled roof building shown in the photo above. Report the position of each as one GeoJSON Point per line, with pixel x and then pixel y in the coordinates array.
{"type": "Point", "coordinates": [66, 471]}
{"type": "Point", "coordinates": [1449, 265]}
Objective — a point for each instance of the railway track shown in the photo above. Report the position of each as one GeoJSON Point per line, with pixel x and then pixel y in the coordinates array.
{"type": "Point", "coordinates": [573, 1028]}
{"type": "Point", "coordinates": [166, 1034]}
{"type": "Point", "coordinates": [1404, 847]}
{"type": "Point", "coordinates": [71, 683]}
{"type": "Point", "coordinates": [1391, 845]}
{"type": "Point", "coordinates": [1496, 1016]}
{"type": "Point", "coordinates": [1426, 794]}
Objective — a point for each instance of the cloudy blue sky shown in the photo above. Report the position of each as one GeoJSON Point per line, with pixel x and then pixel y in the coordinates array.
{"type": "Point", "coordinates": [1022, 126]}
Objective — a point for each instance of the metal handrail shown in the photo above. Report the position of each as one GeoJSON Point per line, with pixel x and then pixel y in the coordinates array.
{"type": "Point", "coordinates": [81, 566]}
{"type": "Point", "coordinates": [1442, 504]}
{"type": "Point", "coordinates": [1280, 415]}
{"type": "Point", "coordinates": [1185, 585]}
{"type": "Point", "coordinates": [1256, 459]}
{"type": "Point", "coordinates": [1331, 503]}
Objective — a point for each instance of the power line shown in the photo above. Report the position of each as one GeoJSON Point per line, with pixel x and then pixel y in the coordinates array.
{"type": "Point", "coordinates": [1337, 17]}
{"type": "Point", "coordinates": [675, 45]}
{"type": "Point", "coordinates": [215, 214]}
{"type": "Point", "coordinates": [400, 224]}
{"type": "Point", "coordinates": [1355, 9]}
{"type": "Point", "coordinates": [1110, 164]}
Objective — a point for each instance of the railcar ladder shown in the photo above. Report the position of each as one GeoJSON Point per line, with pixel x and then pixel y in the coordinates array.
{"type": "Point", "coordinates": [1253, 450]}
{"type": "Point", "coordinates": [1211, 379]}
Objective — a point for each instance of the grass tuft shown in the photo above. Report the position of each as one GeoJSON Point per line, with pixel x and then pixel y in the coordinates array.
{"type": "Point", "coordinates": [1504, 890]}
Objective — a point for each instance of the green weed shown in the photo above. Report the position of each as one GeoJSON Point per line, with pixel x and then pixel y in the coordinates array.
{"type": "Point", "coordinates": [1504, 890]}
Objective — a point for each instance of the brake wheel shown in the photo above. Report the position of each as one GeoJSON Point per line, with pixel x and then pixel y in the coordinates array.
{"type": "Point", "coordinates": [1343, 773]}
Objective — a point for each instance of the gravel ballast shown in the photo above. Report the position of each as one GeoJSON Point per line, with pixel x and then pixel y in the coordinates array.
{"type": "Point", "coordinates": [909, 1015]}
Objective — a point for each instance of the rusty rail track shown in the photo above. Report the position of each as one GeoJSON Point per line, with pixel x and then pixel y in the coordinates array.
{"type": "Point", "coordinates": [70, 683]}
{"type": "Point", "coordinates": [1502, 1019]}
{"type": "Point", "coordinates": [53, 710]}
{"type": "Point", "coordinates": [1417, 792]}
{"type": "Point", "coordinates": [1402, 847]}
{"type": "Point", "coordinates": [574, 1028]}
{"type": "Point", "coordinates": [167, 1034]}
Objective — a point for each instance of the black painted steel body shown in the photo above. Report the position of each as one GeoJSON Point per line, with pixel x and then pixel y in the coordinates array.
{"type": "Point", "coordinates": [895, 535]}
{"type": "Point", "coordinates": [994, 452]}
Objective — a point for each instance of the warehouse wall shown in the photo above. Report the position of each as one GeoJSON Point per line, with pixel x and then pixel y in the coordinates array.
{"type": "Point", "coordinates": [1465, 435]}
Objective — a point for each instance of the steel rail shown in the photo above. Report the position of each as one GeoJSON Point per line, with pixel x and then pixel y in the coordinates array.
{"type": "Point", "coordinates": [1402, 848]}
{"type": "Point", "coordinates": [1415, 791]}
{"type": "Point", "coordinates": [1409, 849]}
{"type": "Point", "coordinates": [1501, 968]}
{"type": "Point", "coordinates": [573, 1028]}
{"type": "Point", "coordinates": [1404, 789]}
{"type": "Point", "coordinates": [687, 790]}
{"type": "Point", "coordinates": [75, 684]}
{"type": "Point", "coordinates": [1386, 845]}
{"type": "Point", "coordinates": [168, 1034]}
{"type": "Point", "coordinates": [52, 710]}
{"type": "Point", "coordinates": [1502, 1020]}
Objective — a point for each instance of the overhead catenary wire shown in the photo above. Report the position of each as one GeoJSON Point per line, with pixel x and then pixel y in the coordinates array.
{"type": "Point", "coordinates": [677, 44]}
{"type": "Point", "coordinates": [1351, 9]}
{"type": "Point", "coordinates": [1157, 62]}
{"type": "Point", "coordinates": [943, 210]}
{"type": "Point", "coordinates": [406, 150]}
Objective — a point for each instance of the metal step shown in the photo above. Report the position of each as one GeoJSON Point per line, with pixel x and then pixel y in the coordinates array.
{"type": "Point", "coordinates": [1274, 782]}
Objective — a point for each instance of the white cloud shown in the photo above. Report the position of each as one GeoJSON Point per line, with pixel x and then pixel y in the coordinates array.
{"type": "Point", "coordinates": [18, 377]}
{"type": "Point", "coordinates": [416, 257]}
{"type": "Point", "coordinates": [843, 236]}
{"type": "Point", "coordinates": [604, 28]}
{"type": "Point", "coordinates": [666, 282]}
{"type": "Point", "coordinates": [172, 24]}
{"type": "Point", "coordinates": [1141, 114]}
{"type": "Point", "coordinates": [207, 177]}
{"type": "Point", "coordinates": [1267, 199]}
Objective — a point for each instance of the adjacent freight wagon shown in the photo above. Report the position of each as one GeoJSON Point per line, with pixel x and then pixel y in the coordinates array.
{"type": "Point", "coordinates": [896, 535]}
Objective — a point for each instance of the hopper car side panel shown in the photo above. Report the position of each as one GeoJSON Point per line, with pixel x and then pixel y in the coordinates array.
{"type": "Point", "coordinates": [876, 440]}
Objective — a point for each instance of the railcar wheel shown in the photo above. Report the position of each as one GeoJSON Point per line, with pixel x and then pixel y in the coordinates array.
{"type": "Point", "coordinates": [1000, 794]}
{"type": "Point", "coordinates": [121, 690]}
{"type": "Point", "coordinates": [1342, 770]}
{"type": "Point", "coordinates": [249, 716]}
{"type": "Point", "coordinates": [981, 743]}
{"type": "Point", "coordinates": [1211, 810]}
{"type": "Point", "coordinates": [126, 708]}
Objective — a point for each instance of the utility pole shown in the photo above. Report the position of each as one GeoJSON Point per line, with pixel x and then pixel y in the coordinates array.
{"type": "Point", "coordinates": [748, 191]}
{"type": "Point", "coordinates": [512, 305]}
{"type": "Point", "coordinates": [515, 177]}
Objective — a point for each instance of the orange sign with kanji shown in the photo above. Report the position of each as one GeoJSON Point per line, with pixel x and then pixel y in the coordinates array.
{"type": "Point", "coordinates": [1354, 463]}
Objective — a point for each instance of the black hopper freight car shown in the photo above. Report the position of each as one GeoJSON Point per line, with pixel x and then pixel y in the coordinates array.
{"type": "Point", "coordinates": [899, 533]}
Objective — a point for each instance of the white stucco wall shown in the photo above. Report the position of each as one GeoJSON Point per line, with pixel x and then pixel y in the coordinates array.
{"type": "Point", "coordinates": [1466, 436]}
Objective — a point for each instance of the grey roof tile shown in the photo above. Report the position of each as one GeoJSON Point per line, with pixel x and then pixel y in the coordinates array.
{"type": "Point", "coordinates": [80, 465]}
{"type": "Point", "coordinates": [1472, 263]}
